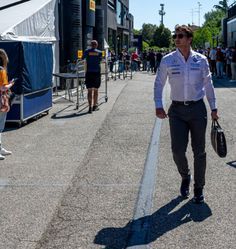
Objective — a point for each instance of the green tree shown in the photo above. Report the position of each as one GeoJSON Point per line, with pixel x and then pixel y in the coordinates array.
{"type": "Point", "coordinates": [147, 32]}
{"type": "Point", "coordinates": [145, 46]}
{"type": "Point", "coordinates": [213, 18]}
{"type": "Point", "coordinates": [201, 37]}
{"type": "Point", "coordinates": [162, 37]}
{"type": "Point", "coordinates": [213, 23]}
{"type": "Point", "coordinates": [137, 32]}
{"type": "Point", "coordinates": [223, 6]}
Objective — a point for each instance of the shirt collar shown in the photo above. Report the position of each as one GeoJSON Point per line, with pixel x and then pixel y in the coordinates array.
{"type": "Point", "coordinates": [192, 53]}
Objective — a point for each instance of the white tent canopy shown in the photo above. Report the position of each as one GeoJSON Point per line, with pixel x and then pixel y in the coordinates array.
{"type": "Point", "coordinates": [32, 20]}
{"type": "Point", "coordinates": [35, 20]}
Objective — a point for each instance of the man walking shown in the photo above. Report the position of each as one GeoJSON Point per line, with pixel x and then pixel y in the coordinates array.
{"type": "Point", "coordinates": [93, 58]}
{"type": "Point", "coordinates": [190, 79]}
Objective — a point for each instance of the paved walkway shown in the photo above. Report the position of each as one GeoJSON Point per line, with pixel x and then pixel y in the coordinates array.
{"type": "Point", "coordinates": [74, 178]}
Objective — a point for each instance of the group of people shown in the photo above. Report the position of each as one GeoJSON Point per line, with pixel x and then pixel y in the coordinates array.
{"type": "Point", "coordinates": [126, 61]}
{"type": "Point", "coordinates": [145, 61]}
{"type": "Point", "coordinates": [222, 61]}
{"type": "Point", "coordinates": [151, 60]}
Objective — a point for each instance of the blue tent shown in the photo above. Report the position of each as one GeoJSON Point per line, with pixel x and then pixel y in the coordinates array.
{"type": "Point", "coordinates": [32, 64]}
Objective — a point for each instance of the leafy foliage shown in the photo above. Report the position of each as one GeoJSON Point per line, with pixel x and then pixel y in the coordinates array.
{"type": "Point", "coordinates": [222, 6]}
{"type": "Point", "coordinates": [213, 19]}
{"type": "Point", "coordinates": [155, 36]}
{"type": "Point", "coordinates": [147, 32]}
{"type": "Point", "coordinates": [145, 45]}
{"type": "Point", "coordinates": [162, 37]}
{"type": "Point", "coordinates": [137, 32]}
{"type": "Point", "coordinates": [211, 28]}
{"type": "Point", "coordinates": [201, 37]}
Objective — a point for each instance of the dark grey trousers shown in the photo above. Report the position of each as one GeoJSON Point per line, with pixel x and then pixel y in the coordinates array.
{"type": "Point", "coordinates": [184, 120]}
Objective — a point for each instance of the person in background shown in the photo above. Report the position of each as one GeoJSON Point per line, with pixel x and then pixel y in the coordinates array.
{"type": "Point", "coordinates": [212, 56]}
{"type": "Point", "coordinates": [207, 54]}
{"type": "Point", "coordinates": [233, 64]}
{"type": "Point", "coordinates": [112, 60]}
{"type": "Point", "coordinates": [148, 61]}
{"type": "Point", "coordinates": [93, 58]}
{"type": "Point", "coordinates": [158, 60]}
{"type": "Point", "coordinates": [134, 61]}
{"type": "Point", "coordinates": [189, 77]}
{"type": "Point", "coordinates": [121, 59]}
{"type": "Point", "coordinates": [220, 58]}
{"type": "Point", "coordinates": [144, 60]}
{"type": "Point", "coordinates": [4, 87]}
{"type": "Point", "coordinates": [127, 61]}
{"type": "Point", "coordinates": [152, 60]}
{"type": "Point", "coordinates": [228, 62]}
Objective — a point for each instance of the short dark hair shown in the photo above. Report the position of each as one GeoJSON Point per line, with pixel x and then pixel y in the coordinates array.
{"type": "Point", "coordinates": [184, 28]}
{"type": "Point", "coordinates": [94, 44]}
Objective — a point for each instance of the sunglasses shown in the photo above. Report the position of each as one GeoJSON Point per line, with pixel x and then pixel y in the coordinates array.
{"type": "Point", "coordinates": [179, 36]}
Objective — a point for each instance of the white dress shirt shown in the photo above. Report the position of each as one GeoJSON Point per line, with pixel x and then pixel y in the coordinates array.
{"type": "Point", "coordinates": [189, 80]}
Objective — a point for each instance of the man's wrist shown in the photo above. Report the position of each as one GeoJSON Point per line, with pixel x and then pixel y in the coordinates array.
{"type": "Point", "coordinates": [214, 110]}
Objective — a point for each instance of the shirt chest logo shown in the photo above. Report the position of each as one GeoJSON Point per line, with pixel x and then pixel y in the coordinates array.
{"type": "Point", "coordinates": [195, 65]}
{"type": "Point", "coordinates": [93, 54]}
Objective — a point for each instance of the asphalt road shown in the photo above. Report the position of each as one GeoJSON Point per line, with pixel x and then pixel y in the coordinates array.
{"type": "Point", "coordinates": [78, 180]}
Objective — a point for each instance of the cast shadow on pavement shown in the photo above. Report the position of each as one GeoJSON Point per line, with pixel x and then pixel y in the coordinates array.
{"type": "Point", "coordinates": [70, 113]}
{"type": "Point", "coordinates": [149, 228]}
{"type": "Point", "coordinates": [224, 83]}
{"type": "Point", "coordinates": [232, 164]}
{"type": "Point", "coordinates": [81, 112]}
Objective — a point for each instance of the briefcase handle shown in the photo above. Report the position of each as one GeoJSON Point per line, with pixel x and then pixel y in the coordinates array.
{"type": "Point", "coordinates": [215, 123]}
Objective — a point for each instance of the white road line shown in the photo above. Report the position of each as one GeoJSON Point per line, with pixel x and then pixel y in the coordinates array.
{"type": "Point", "coordinates": [140, 227]}
{"type": "Point", "coordinates": [144, 202]}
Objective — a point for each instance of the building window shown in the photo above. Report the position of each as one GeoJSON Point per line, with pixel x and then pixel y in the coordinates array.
{"type": "Point", "coordinates": [119, 13]}
{"type": "Point", "coordinates": [112, 4]}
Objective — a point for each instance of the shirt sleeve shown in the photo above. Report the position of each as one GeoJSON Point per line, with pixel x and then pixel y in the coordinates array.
{"type": "Point", "coordinates": [84, 55]}
{"type": "Point", "coordinates": [208, 84]}
{"type": "Point", "coordinates": [100, 56]}
{"type": "Point", "coordinates": [3, 77]}
{"type": "Point", "coordinates": [159, 84]}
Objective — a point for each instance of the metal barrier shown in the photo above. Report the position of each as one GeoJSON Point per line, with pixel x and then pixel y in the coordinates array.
{"type": "Point", "coordinates": [104, 79]}
{"type": "Point", "coordinates": [128, 72]}
{"type": "Point", "coordinates": [77, 73]}
{"type": "Point", "coordinates": [121, 70]}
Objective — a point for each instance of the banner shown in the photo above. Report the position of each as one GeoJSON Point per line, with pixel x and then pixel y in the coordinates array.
{"type": "Point", "coordinates": [80, 54]}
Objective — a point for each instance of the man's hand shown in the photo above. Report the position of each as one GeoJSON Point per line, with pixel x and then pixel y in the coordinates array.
{"type": "Point", "coordinates": [214, 115]}
{"type": "Point", "coordinates": [160, 113]}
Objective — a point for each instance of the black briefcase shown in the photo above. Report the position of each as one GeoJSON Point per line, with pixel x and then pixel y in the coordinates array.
{"type": "Point", "coordinates": [218, 140]}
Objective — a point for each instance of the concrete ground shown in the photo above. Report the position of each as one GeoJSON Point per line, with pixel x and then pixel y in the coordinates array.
{"type": "Point", "coordinates": [74, 179]}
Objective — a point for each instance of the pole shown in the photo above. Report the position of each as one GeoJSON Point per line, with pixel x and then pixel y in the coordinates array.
{"type": "Point", "coordinates": [192, 15]}
{"type": "Point", "coordinates": [199, 14]}
{"type": "Point", "coordinates": [162, 12]}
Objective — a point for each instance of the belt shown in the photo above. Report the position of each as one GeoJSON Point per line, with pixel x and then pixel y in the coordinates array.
{"type": "Point", "coordinates": [174, 102]}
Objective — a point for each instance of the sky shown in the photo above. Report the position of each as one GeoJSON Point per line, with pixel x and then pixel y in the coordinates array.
{"type": "Point", "coordinates": [177, 11]}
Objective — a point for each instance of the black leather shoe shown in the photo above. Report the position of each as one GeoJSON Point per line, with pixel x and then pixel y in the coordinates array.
{"type": "Point", "coordinates": [198, 196]}
{"type": "Point", "coordinates": [95, 108]}
{"type": "Point", "coordinates": [90, 110]}
{"type": "Point", "coordinates": [185, 187]}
